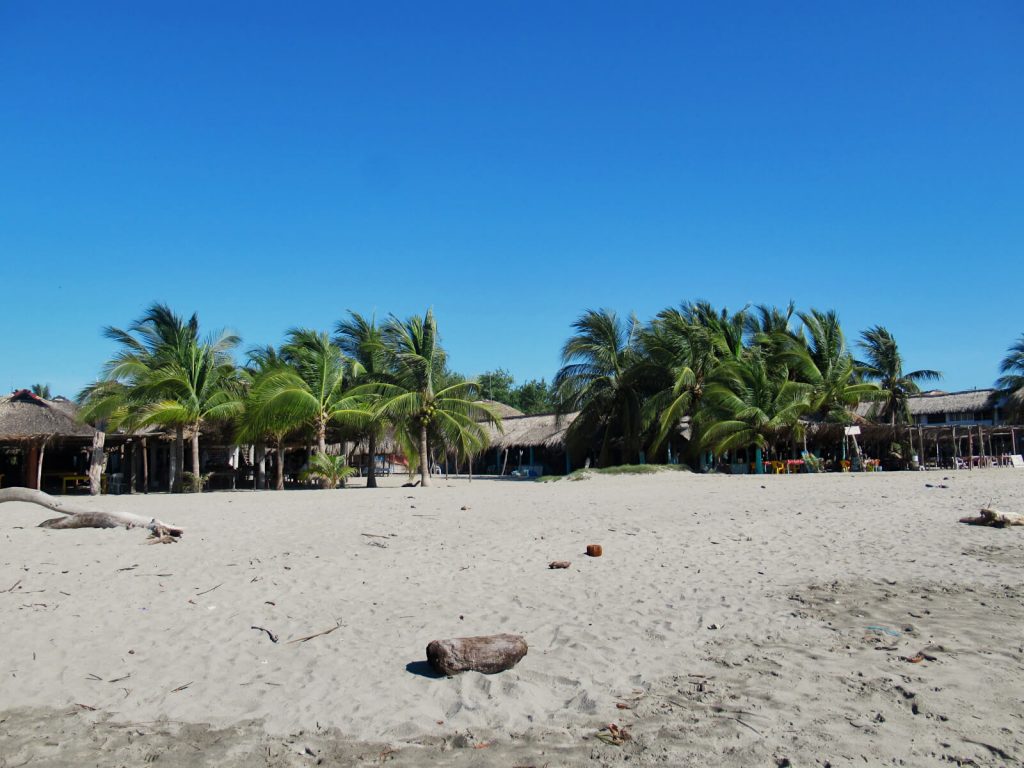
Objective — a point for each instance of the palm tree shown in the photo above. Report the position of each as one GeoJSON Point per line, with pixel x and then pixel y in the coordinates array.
{"type": "Point", "coordinates": [766, 321]}
{"type": "Point", "coordinates": [683, 354]}
{"type": "Point", "coordinates": [599, 378]}
{"type": "Point", "coordinates": [198, 386]}
{"type": "Point", "coordinates": [425, 402]}
{"type": "Point", "coordinates": [261, 429]}
{"type": "Point", "coordinates": [820, 358]}
{"type": "Point", "coordinates": [748, 404]}
{"type": "Point", "coordinates": [158, 339]}
{"type": "Point", "coordinates": [884, 364]}
{"type": "Point", "coordinates": [726, 329]}
{"type": "Point", "coordinates": [308, 391]}
{"type": "Point", "coordinates": [42, 390]}
{"type": "Point", "coordinates": [361, 340]}
{"type": "Point", "coordinates": [1012, 381]}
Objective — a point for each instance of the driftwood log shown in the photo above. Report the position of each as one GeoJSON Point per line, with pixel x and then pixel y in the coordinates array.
{"type": "Point", "coordinates": [487, 654]}
{"type": "Point", "coordinates": [994, 518]}
{"type": "Point", "coordinates": [89, 518]}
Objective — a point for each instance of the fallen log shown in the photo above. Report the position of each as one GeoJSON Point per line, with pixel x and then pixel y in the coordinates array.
{"type": "Point", "coordinates": [487, 654]}
{"type": "Point", "coordinates": [994, 518]}
{"type": "Point", "coordinates": [78, 517]}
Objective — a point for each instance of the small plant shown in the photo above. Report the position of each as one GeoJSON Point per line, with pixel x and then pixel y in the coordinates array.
{"type": "Point", "coordinates": [333, 469]}
{"type": "Point", "coordinates": [193, 483]}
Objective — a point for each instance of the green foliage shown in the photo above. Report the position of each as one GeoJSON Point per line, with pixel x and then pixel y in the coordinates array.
{"type": "Point", "coordinates": [600, 378]}
{"type": "Point", "coordinates": [163, 373]}
{"type": "Point", "coordinates": [42, 390]}
{"type": "Point", "coordinates": [331, 470]}
{"type": "Point", "coordinates": [428, 405]}
{"type": "Point", "coordinates": [497, 385]}
{"type": "Point", "coordinates": [531, 397]}
{"type": "Point", "coordinates": [196, 483]}
{"type": "Point", "coordinates": [620, 469]}
{"type": "Point", "coordinates": [1011, 383]}
{"type": "Point", "coordinates": [884, 364]}
{"type": "Point", "coordinates": [748, 403]}
{"type": "Point", "coordinates": [307, 389]}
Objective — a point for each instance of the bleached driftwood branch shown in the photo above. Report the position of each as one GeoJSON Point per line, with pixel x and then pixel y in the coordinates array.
{"type": "Point", "coordinates": [994, 518]}
{"type": "Point", "coordinates": [88, 518]}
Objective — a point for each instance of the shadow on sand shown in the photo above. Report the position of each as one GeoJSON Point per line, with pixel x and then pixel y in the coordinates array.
{"type": "Point", "coordinates": [421, 668]}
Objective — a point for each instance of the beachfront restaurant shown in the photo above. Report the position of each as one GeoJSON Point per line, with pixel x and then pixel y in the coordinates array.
{"type": "Point", "coordinates": [42, 445]}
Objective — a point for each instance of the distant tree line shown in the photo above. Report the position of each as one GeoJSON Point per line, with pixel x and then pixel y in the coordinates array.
{"type": "Point", "coordinates": [746, 379]}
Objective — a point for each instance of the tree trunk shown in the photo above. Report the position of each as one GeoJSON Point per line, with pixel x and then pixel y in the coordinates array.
{"type": "Point", "coordinates": [197, 474]}
{"type": "Point", "coordinates": [424, 458]}
{"type": "Point", "coordinates": [179, 459]}
{"type": "Point", "coordinates": [260, 469]}
{"type": "Point", "coordinates": [994, 518]}
{"type": "Point", "coordinates": [39, 466]}
{"type": "Point", "coordinates": [371, 472]}
{"type": "Point", "coordinates": [134, 462]}
{"type": "Point", "coordinates": [605, 455]}
{"type": "Point", "coordinates": [145, 466]}
{"type": "Point", "coordinates": [279, 468]}
{"type": "Point", "coordinates": [172, 469]}
{"type": "Point", "coordinates": [86, 518]}
{"type": "Point", "coordinates": [96, 461]}
{"type": "Point", "coordinates": [321, 447]}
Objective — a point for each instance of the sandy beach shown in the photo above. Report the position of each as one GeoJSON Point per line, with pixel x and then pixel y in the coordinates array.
{"type": "Point", "coordinates": [731, 621]}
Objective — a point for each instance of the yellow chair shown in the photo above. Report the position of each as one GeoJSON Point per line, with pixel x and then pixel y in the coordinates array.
{"type": "Point", "coordinates": [779, 467]}
{"type": "Point", "coordinates": [844, 465]}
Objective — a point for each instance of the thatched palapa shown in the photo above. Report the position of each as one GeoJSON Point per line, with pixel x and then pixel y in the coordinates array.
{"type": "Point", "coordinates": [26, 417]}
{"type": "Point", "coordinates": [545, 430]}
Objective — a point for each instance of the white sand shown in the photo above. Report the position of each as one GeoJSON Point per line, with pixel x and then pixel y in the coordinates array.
{"type": "Point", "coordinates": [791, 571]}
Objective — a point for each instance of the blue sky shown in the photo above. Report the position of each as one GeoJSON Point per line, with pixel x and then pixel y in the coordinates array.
{"type": "Point", "coordinates": [270, 165]}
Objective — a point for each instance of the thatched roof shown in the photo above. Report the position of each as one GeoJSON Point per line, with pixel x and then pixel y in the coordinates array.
{"type": "Point", "coordinates": [953, 402]}
{"type": "Point", "coordinates": [520, 431]}
{"type": "Point", "coordinates": [969, 401]}
{"type": "Point", "coordinates": [504, 411]}
{"type": "Point", "coordinates": [25, 416]}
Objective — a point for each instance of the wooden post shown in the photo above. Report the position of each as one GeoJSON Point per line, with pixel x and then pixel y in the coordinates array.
{"type": "Point", "coordinates": [920, 444]}
{"type": "Point", "coordinates": [154, 462]}
{"type": "Point", "coordinates": [970, 449]}
{"type": "Point", "coordinates": [31, 465]}
{"type": "Point", "coordinates": [96, 461]}
{"type": "Point", "coordinates": [1013, 440]}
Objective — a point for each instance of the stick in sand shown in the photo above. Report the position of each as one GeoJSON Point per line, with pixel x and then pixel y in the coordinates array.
{"type": "Point", "coordinates": [317, 634]}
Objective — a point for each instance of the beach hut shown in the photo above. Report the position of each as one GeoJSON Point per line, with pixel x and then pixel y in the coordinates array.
{"type": "Point", "coordinates": [533, 445]}
{"type": "Point", "coordinates": [42, 445]}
